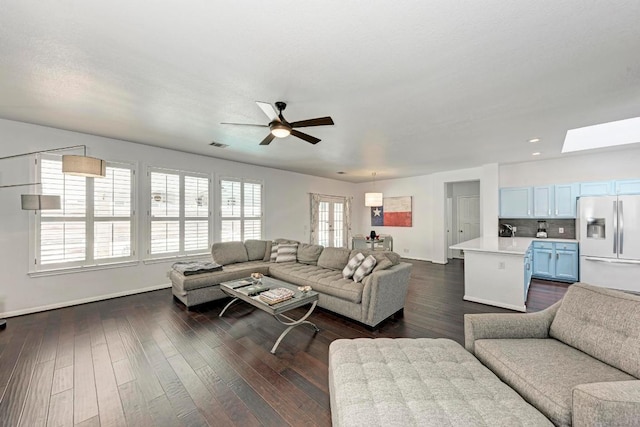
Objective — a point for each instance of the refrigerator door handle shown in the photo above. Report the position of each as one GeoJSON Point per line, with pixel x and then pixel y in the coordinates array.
{"type": "Point", "coordinates": [615, 227]}
{"type": "Point", "coordinates": [620, 228]}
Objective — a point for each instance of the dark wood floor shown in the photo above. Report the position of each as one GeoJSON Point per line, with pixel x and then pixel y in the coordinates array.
{"type": "Point", "coordinates": [144, 360]}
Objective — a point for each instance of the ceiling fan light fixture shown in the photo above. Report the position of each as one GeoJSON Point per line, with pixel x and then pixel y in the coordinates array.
{"type": "Point", "coordinates": [373, 199]}
{"type": "Point", "coordinates": [280, 130]}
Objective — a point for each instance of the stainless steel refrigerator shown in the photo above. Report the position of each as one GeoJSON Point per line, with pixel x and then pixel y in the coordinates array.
{"type": "Point", "coordinates": [609, 233]}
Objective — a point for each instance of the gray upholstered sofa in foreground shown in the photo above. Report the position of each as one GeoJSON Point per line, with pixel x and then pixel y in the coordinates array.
{"type": "Point", "coordinates": [578, 361]}
{"type": "Point", "coordinates": [378, 296]}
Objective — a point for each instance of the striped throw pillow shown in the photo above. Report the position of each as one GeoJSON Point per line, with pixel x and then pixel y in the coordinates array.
{"type": "Point", "coordinates": [352, 266]}
{"type": "Point", "coordinates": [287, 252]}
{"type": "Point", "coordinates": [365, 268]}
{"type": "Point", "coordinates": [274, 252]}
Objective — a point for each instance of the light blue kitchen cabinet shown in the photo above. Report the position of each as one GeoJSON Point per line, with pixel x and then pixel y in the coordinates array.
{"type": "Point", "coordinates": [596, 188]}
{"type": "Point", "coordinates": [515, 202]}
{"type": "Point", "coordinates": [556, 261]}
{"type": "Point", "coordinates": [565, 200]}
{"type": "Point", "coordinates": [543, 201]}
{"type": "Point", "coordinates": [566, 265]}
{"type": "Point", "coordinates": [629, 186]}
{"type": "Point", "coordinates": [543, 262]}
{"type": "Point", "coordinates": [528, 270]}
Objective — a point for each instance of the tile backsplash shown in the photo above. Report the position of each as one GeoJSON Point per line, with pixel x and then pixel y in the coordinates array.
{"type": "Point", "coordinates": [529, 227]}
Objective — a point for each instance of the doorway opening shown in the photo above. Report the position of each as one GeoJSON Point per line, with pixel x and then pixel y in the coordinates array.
{"type": "Point", "coordinates": [463, 214]}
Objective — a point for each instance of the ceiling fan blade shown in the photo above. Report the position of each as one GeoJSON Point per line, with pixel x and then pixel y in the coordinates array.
{"type": "Point", "coordinates": [320, 121]}
{"type": "Point", "coordinates": [268, 110]}
{"type": "Point", "coordinates": [244, 124]}
{"type": "Point", "coordinates": [308, 138]}
{"type": "Point", "coordinates": [268, 139]}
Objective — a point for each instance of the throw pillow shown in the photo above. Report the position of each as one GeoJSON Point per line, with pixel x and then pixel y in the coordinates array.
{"type": "Point", "coordinates": [309, 254]}
{"type": "Point", "coordinates": [365, 268]}
{"type": "Point", "coordinates": [274, 253]}
{"type": "Point", "coordinates": [352, 266]}
{"type": "Point", "coordinates": [287, 252]}
{"type": "Point", "coordinates": [383, 265]}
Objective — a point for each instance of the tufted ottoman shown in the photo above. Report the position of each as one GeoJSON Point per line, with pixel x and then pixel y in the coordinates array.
{"type": "Point", "coordinates": [419, 382]}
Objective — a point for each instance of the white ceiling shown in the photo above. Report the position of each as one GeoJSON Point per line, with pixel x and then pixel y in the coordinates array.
{"type": "Point", "coordinates": [414, 87]}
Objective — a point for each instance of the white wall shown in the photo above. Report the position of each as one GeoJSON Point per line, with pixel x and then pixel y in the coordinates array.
{"type": "Point", "coordinates": [619, 164]}
{"type": "Point", "coordinates": [286, 208]}
{"type": "Point", "coordinates": [426, 240]}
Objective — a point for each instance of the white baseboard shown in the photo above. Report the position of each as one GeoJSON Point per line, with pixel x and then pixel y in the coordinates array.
{"type": "Point", "coordinates": [521, 308]}
{"type": "Point", "coordinates": [82, 301]}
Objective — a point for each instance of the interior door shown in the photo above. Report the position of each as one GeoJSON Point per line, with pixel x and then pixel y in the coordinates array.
{"type": "Point", "coordinates": [468, 218]}
{"type": "Point", "coordinates": [331, 223]}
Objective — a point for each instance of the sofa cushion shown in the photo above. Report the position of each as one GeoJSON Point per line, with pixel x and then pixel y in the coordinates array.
{"type": "Point", "coordinates": [267, 251]}
{"type": "Point", "coordinates": [364, 269]}
{"type": "Point", "coordinates": [544, 371]}
{"type": "Point", "coordinates": [349, 270]}
{"type": "Point", "coordinates": [287, 252]}
{"type": "Point", "coordinates": [334, 258]}
{"type": "Point", "coordinates": [602, 323]}
{"type": "Point", "coordinates": [309, 254]}
{"type": "Point", "coordinates": [229, 272]}
{"type": "Point", "coordinates": [224, 253]}
{"type": "Point", "coordinates": [383, 265]}
{"type": "Point", "coordinates": [324, 280]}
{"type": "Point", "coordinates": [256, 249]}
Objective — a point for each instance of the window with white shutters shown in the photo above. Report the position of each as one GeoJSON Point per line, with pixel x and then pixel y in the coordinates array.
{"type": "Point", "coordinates": [180, 213]}
{"type": "Point", "coordinates": [95, 222]}
{"type": "Point", "coordinates": [240, 209]}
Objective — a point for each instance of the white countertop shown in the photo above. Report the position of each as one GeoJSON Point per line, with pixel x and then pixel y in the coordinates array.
{"type": "Point", "coordinates": [507, 245]}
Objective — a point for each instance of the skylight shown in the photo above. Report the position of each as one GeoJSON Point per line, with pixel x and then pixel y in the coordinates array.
{"type": "Point", "coordinates": [603, 135]}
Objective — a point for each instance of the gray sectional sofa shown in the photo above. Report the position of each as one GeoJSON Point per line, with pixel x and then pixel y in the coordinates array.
{"type": "Point", "coordinates": [578, 361]}
{"type": "Point", "coordinates": [575, 363]}
{"type": "Point", "coordinates": [380, 294]}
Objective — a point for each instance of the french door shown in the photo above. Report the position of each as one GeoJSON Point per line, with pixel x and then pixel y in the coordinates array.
{"type": "Point", "coordinates": [331, 222]}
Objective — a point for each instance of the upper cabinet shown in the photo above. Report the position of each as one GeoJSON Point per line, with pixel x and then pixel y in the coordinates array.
{"type": "Point", "coordinates": [629, 186]}
{"type": "Point", "coordinates": [516, 202]}
{"type": "Point", "coordinates": [543, 201]}
{"type": "Point", "coordinates": [598, 188]}
{"type": "Point", "coordinates": [565, 200]}
{"type": "Point", "coordinates": [551, 201]}
{"type": "Point", "coordinates": [558, 201]}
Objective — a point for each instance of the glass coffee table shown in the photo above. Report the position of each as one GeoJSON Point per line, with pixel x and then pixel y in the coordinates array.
{"type": "Point", "coordinates": [239, 290]}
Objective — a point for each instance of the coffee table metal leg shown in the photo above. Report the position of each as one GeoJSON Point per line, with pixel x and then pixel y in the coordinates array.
{"type": "Point", "coordinates": [227, 306]}
{"type": "Point", "coordinates": [292, 324]}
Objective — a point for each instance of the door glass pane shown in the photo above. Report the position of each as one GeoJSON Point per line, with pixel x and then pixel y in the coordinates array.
{"type": "Point", "coordinates": [323, 224]}
{"type": "Point", "coordinates": [338, 224]}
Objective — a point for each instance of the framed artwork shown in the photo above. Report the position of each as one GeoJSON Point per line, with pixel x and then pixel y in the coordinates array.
{"type": "Point", "coordinates": [394, 212]}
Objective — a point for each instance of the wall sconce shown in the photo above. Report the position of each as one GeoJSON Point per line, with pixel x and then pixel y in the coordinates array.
{"type": "Point", "coordinates": [71, 165]}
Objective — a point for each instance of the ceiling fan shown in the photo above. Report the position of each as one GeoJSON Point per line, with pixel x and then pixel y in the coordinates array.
{"type": "Point", "coordinates": [280, 128]}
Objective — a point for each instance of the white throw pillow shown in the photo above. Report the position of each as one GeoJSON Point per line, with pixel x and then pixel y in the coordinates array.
{"type": "Point", "coordinates": [287, 252]}
{"type": "Point", "coordinates": [274, 252]}
{"type": "Point", "coordinates": [352, 266]}
{"type": "Point", "coordinates": [365, 268]}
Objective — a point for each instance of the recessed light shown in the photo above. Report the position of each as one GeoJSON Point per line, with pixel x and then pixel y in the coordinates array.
{"type": "Point", "coordinates": [535, 140]}
{"type": "Point", "coordinates": [537, 153]}
{"type": "Point", "coordinates": [341, 172]}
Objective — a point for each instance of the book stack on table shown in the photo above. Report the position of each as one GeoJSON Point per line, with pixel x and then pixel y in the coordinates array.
{"type": "Point", "coordinates": [276, 295]}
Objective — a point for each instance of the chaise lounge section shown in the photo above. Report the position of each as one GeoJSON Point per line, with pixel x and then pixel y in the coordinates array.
{"type": "Point", "coordinates": [378, 296]}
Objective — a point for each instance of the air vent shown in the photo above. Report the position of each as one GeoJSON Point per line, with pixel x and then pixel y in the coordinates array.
{"type": "Point", "coordinates": [218, 145]}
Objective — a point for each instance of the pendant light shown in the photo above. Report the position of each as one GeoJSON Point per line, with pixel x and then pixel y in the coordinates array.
{"type": "Point", "coordinates": [373, 199]}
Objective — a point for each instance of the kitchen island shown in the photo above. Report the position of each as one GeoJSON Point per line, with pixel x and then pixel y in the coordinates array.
{"type": "Point", "coordinates": [497, 270]}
